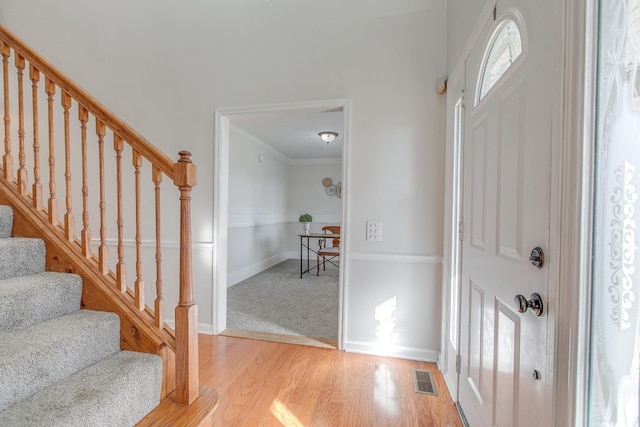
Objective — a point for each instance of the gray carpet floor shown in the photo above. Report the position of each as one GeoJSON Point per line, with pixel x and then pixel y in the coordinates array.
{"type": "Point", "coordinates": [278, 301]}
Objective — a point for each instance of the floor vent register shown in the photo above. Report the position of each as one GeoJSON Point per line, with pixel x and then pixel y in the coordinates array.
{"type": "Point", "coordinates": [423, 382]}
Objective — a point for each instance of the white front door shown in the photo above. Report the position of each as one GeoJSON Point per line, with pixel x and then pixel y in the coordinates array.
{"type": "Point", "coordinates": [506, 356]}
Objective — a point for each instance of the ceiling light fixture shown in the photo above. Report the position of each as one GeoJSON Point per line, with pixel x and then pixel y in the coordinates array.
{"type": "Point", "coordinates": [328, 136]}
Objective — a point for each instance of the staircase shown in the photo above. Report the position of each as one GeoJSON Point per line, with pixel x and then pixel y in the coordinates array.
{"type": "Point", "coordinates": [60, 365]}
{"type": "Point", "coordinates": [82, 184]}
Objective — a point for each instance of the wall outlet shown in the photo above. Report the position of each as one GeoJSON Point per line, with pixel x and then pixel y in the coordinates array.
{"type": "Point", "coordinates": [374, 230]}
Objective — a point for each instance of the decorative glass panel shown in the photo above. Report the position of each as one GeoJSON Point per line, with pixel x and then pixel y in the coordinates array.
{"type": "Point", "coordinates": [615, 328]}
{"type": "Point", "coordinates": [454, 298]}
{"type": "Point", "coordinates": [504, 48]}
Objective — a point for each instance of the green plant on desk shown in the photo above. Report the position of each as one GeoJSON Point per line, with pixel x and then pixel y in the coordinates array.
{"type": "Point", "coordinates": [305, 220]}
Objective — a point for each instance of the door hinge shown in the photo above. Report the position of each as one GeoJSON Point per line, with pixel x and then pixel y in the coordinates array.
{"type": "Point", "coordinates": [460, 230]}
{"type": "Point", "coordinates": [457, 364]}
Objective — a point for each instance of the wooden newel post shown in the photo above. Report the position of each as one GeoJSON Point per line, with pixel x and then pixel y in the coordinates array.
{"type": "Point", "coordinates": [186, 312]}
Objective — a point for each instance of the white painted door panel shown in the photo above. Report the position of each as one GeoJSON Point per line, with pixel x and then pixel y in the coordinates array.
{"type": "Point", "coordinates": [507, 149]}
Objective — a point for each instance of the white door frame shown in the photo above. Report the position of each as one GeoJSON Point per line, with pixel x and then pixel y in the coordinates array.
{"type": "Point", "coordinates": [575, 211]}
{"type": "Point", "coordinates": [571, 197]}
{"type": "Point", "coordinates": [223, 117]}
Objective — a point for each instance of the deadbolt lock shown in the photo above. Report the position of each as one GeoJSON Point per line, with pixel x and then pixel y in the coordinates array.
{"type": "Point", "coordinates": [537, 257]}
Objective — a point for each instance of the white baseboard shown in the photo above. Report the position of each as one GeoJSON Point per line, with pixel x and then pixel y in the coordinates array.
{"type": "Point", "coordinates": [422, 355]}
{"type": "Point", "coordinates": [203, 328]}
{"type": "Point", "coordinates": [237, 276]}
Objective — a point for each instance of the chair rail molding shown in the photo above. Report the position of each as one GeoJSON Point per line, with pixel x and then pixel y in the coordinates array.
{"type": "Point", "coordinates": [238, 218]}
{"type": "Point", "coordinates": [389, 257]}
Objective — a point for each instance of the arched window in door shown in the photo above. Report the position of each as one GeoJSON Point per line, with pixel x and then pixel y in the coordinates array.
{"type": "Point", "coordinates": [504, 48]}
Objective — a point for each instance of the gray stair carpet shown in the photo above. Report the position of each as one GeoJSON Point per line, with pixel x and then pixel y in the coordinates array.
{"type": "Point", "coordinates": [26, 300]}
{"type": "Point", "coordinates": [20, 256]}
{"type": "Point", "coordinates": [60, 365]}
{"type": "Point", "coordinates": [6, 221]}
{"type": "Point", "coordinates": [113, 384]}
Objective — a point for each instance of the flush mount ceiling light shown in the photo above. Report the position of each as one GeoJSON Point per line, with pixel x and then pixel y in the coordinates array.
{"type": "Point", "coordinates": [328, 136]}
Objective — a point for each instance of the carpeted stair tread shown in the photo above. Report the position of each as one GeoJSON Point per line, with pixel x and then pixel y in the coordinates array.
{"type": "Point", "coordinates": [37, 356]}
{"type": "Point", "coordinates": [59, 365]}
{"type": "Point", "coordinates": [20, 256]}
{"type": "Point", "coordinates": [27, 300]}
{"type": "Point", "coordinates": [116, 391]}
{"type": "Point", "coordinates": [6, 221]}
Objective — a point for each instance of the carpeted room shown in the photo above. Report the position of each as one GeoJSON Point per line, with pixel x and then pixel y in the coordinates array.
{"type": "Point", "coordinates": [278, 301]}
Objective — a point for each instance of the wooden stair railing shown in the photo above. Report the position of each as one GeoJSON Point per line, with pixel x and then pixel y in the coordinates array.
{"type": "Point", "coordinates": [103, 178]}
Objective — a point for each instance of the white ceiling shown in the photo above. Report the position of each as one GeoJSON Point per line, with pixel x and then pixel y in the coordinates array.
{"type": "Point", "coordinates": [294, 134]}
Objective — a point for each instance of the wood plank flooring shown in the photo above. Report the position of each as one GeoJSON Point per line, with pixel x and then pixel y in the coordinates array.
{"type": "Point", "coordinates": [263, 383]}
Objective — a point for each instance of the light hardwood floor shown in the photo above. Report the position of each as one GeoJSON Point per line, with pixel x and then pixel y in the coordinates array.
{"type": "Point", "coordinates": [263, 383]}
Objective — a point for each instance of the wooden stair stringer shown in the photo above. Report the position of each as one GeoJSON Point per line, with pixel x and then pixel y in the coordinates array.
{"type": "Point", "coordinates": [99, 292]}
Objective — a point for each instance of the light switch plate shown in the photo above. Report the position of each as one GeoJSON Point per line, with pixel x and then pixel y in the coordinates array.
{"type": "Point", "coordinates": [374, 230]}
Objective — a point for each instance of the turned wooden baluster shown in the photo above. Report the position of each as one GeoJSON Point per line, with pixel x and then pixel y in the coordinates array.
{"type": "Point", "coordinates": [50, 88]}
{"type": "Point", "coordinates": [34, 75]}
{"type": "Point", "coordinates": [139, 284]}
{"type": "Point", "coordinates": [83, 117]}
{"type": "Point", "coordinates": [121, 283]}
{"type": "Point", "coordinates": [7, 158]}
{"type": "Point", "coordinates": [22, 171]}
{"type": "Point", "coordinates": [159, 303]}
{"type": "Point", "coordinates": [103, 250]}
{"type": "Point", "coordinates": [69, 220]}
{"type": "Point", "coordinates": [186, 311]}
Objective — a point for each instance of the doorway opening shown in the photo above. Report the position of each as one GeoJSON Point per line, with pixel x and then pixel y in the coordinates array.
{"type": "Point", "coordinates": [271, 166]}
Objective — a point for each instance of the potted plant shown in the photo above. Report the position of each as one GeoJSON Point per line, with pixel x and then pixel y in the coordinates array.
{"type": "Point", "coordinates": [305, 220]}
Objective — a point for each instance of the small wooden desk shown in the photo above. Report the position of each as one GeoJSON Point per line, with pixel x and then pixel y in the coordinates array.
{"type": "Point", "coordinates": [305, 244]}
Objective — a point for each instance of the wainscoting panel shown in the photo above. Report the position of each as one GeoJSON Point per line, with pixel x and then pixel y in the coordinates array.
{"type": "Point", "coordinates": [392, 305]}
{"type": "Point", "coordinates": [259, 239]}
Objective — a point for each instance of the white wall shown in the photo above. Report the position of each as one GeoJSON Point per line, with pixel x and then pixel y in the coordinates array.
{"type": "Point", "coordinates": [258, 200]}
{"type": "Point", "coordinates": [307, 195]}
{"type": "Point", "coordinates": [165, 67]}
{"type": "Point", "coordinates": [256, 179]}
{"type": "Point", "coordinates": [462, 16]}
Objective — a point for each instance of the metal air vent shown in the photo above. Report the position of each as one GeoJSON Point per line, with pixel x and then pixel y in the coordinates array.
{"type": "Point", "coordinates": [423, 382]}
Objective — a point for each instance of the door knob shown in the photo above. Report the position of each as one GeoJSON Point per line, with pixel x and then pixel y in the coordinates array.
{"type": "Point", "coordinates": [534, 303]}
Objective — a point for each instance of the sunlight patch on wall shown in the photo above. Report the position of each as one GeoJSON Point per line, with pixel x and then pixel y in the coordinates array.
{"type": "Point", "coordinates": [385, 316]}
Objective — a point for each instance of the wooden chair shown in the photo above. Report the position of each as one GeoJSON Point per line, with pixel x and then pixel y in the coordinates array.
{"type": "Point", "coordinates": [325, 251]}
